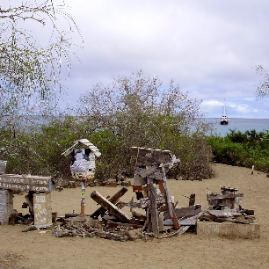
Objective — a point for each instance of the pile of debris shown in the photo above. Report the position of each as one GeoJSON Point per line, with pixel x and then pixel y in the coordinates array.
{"type": "Point", "coordinates": [159, 212]}
{"type": "Point", "coordinates": [117, 225]}
{"type": "Point", "coordinates": [227, 206]}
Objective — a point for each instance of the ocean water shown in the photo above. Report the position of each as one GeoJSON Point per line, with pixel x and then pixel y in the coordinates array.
{"type": "Point", "coordinates": [238, 125]}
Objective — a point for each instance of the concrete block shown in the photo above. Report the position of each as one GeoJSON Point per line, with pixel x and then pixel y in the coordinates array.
{"type": "Point", "coordinates": [228, 229]}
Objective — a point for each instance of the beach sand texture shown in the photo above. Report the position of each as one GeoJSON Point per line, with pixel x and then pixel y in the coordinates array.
{"type": "Point", "coordinates": [42, 250]}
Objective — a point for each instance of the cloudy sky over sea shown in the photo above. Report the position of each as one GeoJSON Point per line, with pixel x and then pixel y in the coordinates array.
{"type": "Point", "coordinates": [209, 47]}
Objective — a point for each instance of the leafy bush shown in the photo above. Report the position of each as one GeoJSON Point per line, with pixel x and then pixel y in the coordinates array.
{"type": "Point", "coordinates": [242, 149]}
{"type": "Point", "coordinates": [133, 111]}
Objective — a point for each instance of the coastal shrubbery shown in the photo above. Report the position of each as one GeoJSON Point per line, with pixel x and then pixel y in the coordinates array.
{"type": "Point", "coordinates": [132, 111]}
{"type": "Point", "coordinates": [242, 149]}
{"type": "Point", "coordinates": [38, 151]}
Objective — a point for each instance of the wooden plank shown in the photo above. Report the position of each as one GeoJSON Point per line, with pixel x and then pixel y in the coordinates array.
{"type": "Point", "coordinates": [150, 160]}
{"type": "Point", "coordinates": [184, 212]}
{"type": "Point", "coordinates": [145, 172]}
{"type": "Point", "coordinates": [107, 205]}
{"type": "Point", "coordinates": [136, 151]}
{"type": "Point", "coordinates": [26, 183]}
{"type": "Point", "coordinates": [42, 210]}
{"type": "Point", "coordinates": [114, 199]}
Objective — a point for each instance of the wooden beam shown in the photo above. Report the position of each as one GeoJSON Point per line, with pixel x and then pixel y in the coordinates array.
{"type": "Point", "coordinates": [107, 205]}
{"type": "Point", "coordinates": [114, 199]}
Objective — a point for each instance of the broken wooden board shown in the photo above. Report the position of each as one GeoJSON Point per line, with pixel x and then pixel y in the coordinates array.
{"type": "Point", "coordinates": [114, 199]}
{"type": "Point", "coordinates": [26, 183]}
{"type": "Point", "coordinates": [107, 205]}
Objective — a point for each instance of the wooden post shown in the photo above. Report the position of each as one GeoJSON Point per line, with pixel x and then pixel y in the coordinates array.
{"type": "Point", "coordinates": [83, 189]}
{"type": "Point", "coordinates": [153, 210]}
{"type": "Point", "coordinates": [169, 203]}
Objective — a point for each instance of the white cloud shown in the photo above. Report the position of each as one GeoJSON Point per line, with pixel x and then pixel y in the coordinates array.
{"type": "Point", "coordinates": [209, 47]}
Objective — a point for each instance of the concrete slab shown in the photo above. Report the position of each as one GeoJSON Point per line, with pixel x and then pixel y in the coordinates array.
{"type": "Point", "coordinates": [228, 229]}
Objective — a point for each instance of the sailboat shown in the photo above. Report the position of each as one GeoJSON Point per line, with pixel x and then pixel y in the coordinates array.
{"type": "Point", "coordinates": [224, 119]}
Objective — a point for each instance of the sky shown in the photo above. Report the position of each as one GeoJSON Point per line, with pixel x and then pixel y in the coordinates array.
{"type": "Point", "coordinates": [208, 47]}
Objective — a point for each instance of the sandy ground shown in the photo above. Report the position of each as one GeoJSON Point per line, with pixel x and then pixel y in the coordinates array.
{"type": "Point", "coordinates": [36, 250]}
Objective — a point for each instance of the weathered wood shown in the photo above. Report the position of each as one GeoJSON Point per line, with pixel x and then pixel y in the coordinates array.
{"type": "Point", "coordinates": [145, 172]}
{"type": "Point", "coordinates": [112, 236]}
{"type": "Point", "coordinates": [137, 151]}
{"type": "Point", "coordinates": [169, 203]}
{"type": "Point", "coordinates": [153, 210]}
{"type": "Point", "coordinates": [114, 199]}
{"type": "Point", "coordinates": [139, 216]}
{"type": "Point", "coordinates": [107, 205]}
{"type": "Point", "coordinates": [6, 206]}
{"type": "Point", "coordinates": [66, 216]}
{"type": "Point", "coordinates": [191, 221]}
{"type": "Point", "coordinates": [224, 196]}
{"type": "Point", "coordinates": [26, 183]}
{"type": "Point", "coordinates": [184, 212]}
{"type": "Point", "coordinates": [29, 199]}
{"type": "Point", "coordinates": [157, 176]}
{"type": "Point", "coordinates": [162, 155]}
{"type": "Point", "coordinates": [192, 199]}
{"type": "Point", "coordinates": [42, 210]}
{"type": "Point", "coordinates": [248, 211]}
{"type": "Point", "coordinates": [225, 189]}
{"type": "Point", "coordinates": [114, 224]}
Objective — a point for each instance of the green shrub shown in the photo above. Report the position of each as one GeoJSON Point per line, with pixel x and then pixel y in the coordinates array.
{"type": "Point", "coordinates": [242, 149]}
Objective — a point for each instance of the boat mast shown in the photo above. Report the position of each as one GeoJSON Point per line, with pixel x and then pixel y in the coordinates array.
{"type": "Point", "coordinates": [224, 109]}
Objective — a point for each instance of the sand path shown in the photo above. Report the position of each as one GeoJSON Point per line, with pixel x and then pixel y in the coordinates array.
{"type": "Point", "coordinates": [35, 250]}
